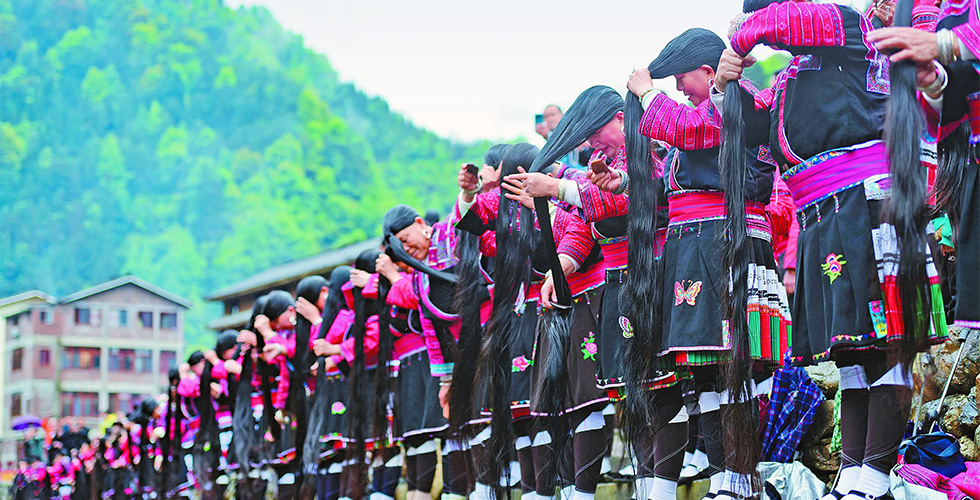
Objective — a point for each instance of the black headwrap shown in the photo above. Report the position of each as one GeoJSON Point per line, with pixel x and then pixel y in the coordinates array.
{"type": "Point", "coordinates": [495, 155]}
{"type": "Point", "coordinates": [691, 49]}
{"type": "Point", "coordinates": [195, 358]}
{"type": "Point", "coordinates": [277, 302]}
{"type": "Point", "coordinates": [398, 218]}
{"type": "Point", "coordinates": [754, 5]}
{"type": "Point", "coordinates": [226, 340]}
{"type": "Point", "coordinates": [592, 109]}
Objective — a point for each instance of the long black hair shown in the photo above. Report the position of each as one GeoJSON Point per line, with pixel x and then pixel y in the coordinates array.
{"type": "Point", "coordinates": [641, 296]}
{"type": "Point", "coordinates": [514, 236]}
{"type": "Point", "coordinates": [206, 448]}
{"type": "Point", "coordinates": [245, 438]}
{"type": "Point", "coordinates": [470, 293]}
{"type": "Point", "coordinates": [357, 379]}
{"type": "Point", "coordinates": [171, 433]}
{"type": "Point", "coordinates": [318, 407]}
{"type": "Point", "coordinates": [383, 389]}
{"type": "Point", "coordinates": [906, 207]}
{"type": "Point", "coordinates": [309, 288]}
{"type": "Point", "coordinates": [277, 302]}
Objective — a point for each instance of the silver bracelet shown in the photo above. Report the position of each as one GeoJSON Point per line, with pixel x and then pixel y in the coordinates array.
{"type": "Point", "coordinates": [946, 40]}
{"type": "Point", "coordinates": [624, 184]}
{"type": "Point", "coordinates": [939, 84]}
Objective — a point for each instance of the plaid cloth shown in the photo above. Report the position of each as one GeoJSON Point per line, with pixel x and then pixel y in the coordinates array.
{"type": "Point", "coordinates": [793, 403]}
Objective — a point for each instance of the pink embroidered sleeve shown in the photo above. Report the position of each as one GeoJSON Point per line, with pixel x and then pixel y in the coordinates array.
{"type": "Point", "coordinates": [288, 343]}
{"type": "Point", "coordinates": [791, 24]}
{"type": "Point", "coordinates": [574, 236]}
{"type": "Point", "coordinates": [189, 387]}
{"type": "Point", "coordinates": [370, 290]}
{"type": "Point", "coordinates": [402, 294]}
{"type": "Point", "coordinates": [371, 331]}
{"type": "Point", "coordinates": [969, 32]}
{"type": "Point", "coordinates": [219, 372]}
{"type": "Point", "coordinates": [680, 125]}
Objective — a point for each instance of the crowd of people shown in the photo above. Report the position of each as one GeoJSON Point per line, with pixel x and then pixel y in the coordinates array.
{"type": "Point", "coordinates": [650, 283]}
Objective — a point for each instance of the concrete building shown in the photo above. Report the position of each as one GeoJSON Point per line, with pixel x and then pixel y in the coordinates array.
{"type": "Point", "coordinates": [99, 349]}
{"type": "Point", "coordinates": [237, 298]}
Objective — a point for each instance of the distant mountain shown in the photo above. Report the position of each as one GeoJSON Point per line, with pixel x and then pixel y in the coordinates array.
{"type": "Point", "coordinates": [188, 144]}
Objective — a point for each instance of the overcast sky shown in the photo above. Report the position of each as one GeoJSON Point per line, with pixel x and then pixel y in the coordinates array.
{"type": "Point", "coordinates": [470, 70]}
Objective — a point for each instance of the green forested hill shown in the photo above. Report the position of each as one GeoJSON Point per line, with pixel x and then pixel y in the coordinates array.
{"type": "Point", "coordinates": [189, 144]}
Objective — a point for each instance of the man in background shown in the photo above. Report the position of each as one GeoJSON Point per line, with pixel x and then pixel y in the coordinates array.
{"type": "Point", "coordinates": [552, 115]}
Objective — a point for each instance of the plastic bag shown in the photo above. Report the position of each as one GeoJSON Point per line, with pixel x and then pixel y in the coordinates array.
{"type": "Point", "coordinates": [792, 481]}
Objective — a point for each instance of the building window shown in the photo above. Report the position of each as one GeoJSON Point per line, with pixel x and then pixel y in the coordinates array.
{"type": "Point", "coordinates": [144, 361]}
{"type": "Point", "coordinates": [44, 357]}
{"type": "Point", "coordinates": [123, 317]}
{"type": "Point", "coordinates": [83, 316]}
{"type": "Point", "coordinates": [121, 360]}
{"type": "Point", "coordinates": [168, 321]}
{"type": "Point", "coordinates": [168, 360]}
{"type": "Point", "coordinates": [80, 404]}
{"type": "Point", "coordinates": [15, 405]}
{"type": "Point", "coordinates": [146, 319]}
{"type": "Point", "coordinates": [47, 316]}
{"type": "Point", "coordinates": [81, 358]}
{"type": "Point", "coordinates": [17, 359]}
{"type": "Point", "coordinates": [15, 319]}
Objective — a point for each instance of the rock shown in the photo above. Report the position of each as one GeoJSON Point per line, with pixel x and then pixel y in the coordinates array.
{"type": "Point", "coordinates": [968, 448]}
{"type": "Point", "coordinates": [819, 458]}
{"type": "Point", "coordinates": [928, 412]}
{"type": "Point", "coordinates": [826, 376]}
{"type": "Point", "coordinates": [959, 416]}
{"type": "Point", "coordinates": [966, 373]}
{"type": "Point", "coordinates": [823, 423]}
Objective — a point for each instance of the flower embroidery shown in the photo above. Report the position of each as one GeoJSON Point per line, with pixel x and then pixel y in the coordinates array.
{"type": "Point", "coordinates": [624, 323]}
{"type": "Point", "coordinates": [877, 309]}
{"type": "Point", "coordinates": [520, 364]}
{"type": "Point", "coordinates": [338, 408]}
{"type": "Point", "coordinates": [833, 266]}
{"type": "Point", "coordinates": [589, 347]}
{"type": "Point", "coordinates": [690, 295]}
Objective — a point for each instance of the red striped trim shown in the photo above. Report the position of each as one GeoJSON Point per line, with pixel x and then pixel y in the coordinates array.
{"type": "Point", "coordinates": [584, 280]}
{"type": "Point", "coordinates": [689, 206]}
{"type": "Point", "coordinates": [408, 343]}
{"type": "Point", "coordinates": [614, 252]}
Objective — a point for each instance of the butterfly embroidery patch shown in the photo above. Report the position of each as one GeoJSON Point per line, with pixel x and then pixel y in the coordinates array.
{"type": "Point", "coordinates": [690, 295]}
{"type": "Point", "coordinates": [833, 266]}
{"type": "Point", "coordinates": [626, 326]}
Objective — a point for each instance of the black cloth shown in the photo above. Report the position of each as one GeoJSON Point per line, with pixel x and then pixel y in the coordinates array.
{"type": "Point", "coordinates": [418, 413]}
{"type": "Point", "coordinates": [699, 169]}
{"type": "Point", "coordinates": [835, 100]}
{"type": "Point", "coordinates": [691, 49]}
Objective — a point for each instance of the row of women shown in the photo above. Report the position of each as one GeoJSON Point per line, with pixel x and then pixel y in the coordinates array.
{"type": "Point", "coordinates": [549, 292]}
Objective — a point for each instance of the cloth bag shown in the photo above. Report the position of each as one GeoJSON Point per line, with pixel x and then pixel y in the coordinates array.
{"type": "Point", "coordinates": [936, 451]}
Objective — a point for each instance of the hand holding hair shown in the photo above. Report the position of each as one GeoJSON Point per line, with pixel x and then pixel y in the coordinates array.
{"type": "Point", "coordinates": [640, 82]}
{"type": "Point", "coordinates": [308, 311]}
{"type": "Point", "coordinates": [606, 181]}
{"type": "Point", "coordinates": [730, 67]}
{"type": "Point", "coordinates": [535, 184]}
{"type": "Point", "coordinates": [909, 43]}
{"type": "Point", "coordinates": [516, 192]}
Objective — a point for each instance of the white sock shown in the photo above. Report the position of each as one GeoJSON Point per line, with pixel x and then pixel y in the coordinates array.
{"type": "Point", "coordinates": [379, 496]}
{"type": "Point", "coordinates": [644, 485]}
{"type": "Point", "coordinates": [848, 479]}
{"type": "Point", "coordinates": [715, 481]}
{"type": "Point", "coordinates": [566, 492]}
{"type": "Point", "coordinates": [700, 459]}
{"type": "Point", "coordinates": [531, 495]}
{"type": "Point", "coordinates": [663, 489]}
{"type": "Point", "coordinates": [606, 465]}
{"type": "Point", "coordinates": [482, 492]}
{"type": "Point", "coordinates": [740, 484]}
{"type": "Point", "coordinates": [581, 495]}
{"type": "Point", "coordinates": [688, 456]}
{"type": "Point", "coordinates": [871, 482]}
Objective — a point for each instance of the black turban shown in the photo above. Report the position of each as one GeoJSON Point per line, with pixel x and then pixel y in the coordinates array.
{"type": "Point", "coordinates": [691, 49]}
{"type": "Point", "coordinates": [226, 340]}
{"type": "Point", "coordinates": [592, 109]}
{"type": "Point", "coordinates": [195, 358]}
{"type": "Point", "coordinates": [398, 218]}
{"type": "Point", "coordinates": [754, 5]}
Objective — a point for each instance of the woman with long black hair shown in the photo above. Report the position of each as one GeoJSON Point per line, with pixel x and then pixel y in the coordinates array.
{"type": "Point", "coordinates": [691, 326]}
{"type": "Point", "coordinates": [867, 293]}
{"type": "Point", "coordinates": [322, 454]}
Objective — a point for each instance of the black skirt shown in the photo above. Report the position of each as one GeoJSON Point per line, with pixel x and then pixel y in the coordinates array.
{"type": "Point", "coordinates": [845, 257]}
{"type": "Point", "coordinates": [692, 272]}
{"type": "Point", "coordinates": [967, 312]}
{"type": "Point", "coordinates": [581, 360]}
{"type": "Point", "coordinates": [417, 408]}
{"type": "Point", "coordinates": [612, 334]}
